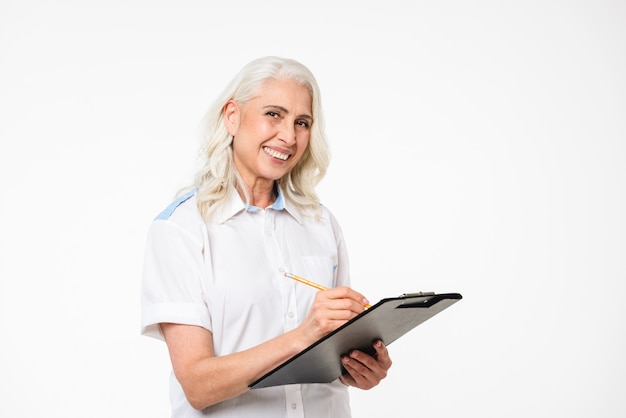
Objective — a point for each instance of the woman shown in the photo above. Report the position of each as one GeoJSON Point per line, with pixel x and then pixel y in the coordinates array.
{"type": "Point", "coordinates": [213, 285]}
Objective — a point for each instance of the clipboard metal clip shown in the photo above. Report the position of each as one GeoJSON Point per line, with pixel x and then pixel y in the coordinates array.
{"type": "Point", "coordinates": [410, 295]}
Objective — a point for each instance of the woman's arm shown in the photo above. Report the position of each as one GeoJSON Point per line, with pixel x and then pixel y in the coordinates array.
{"type": "Point", "coordinates": [208, 379]}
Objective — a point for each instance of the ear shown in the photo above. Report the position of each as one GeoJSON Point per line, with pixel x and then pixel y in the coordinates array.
{"type": "Point", "coordinates": [232, 114]}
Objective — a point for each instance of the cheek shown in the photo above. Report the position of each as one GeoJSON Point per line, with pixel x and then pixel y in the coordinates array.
{"type": "Point", "coordinates": [260, 127]}
{"type": "Point", "coordinates": [303, 142]}
{"type": "Point", "coordinates": [251, 134]}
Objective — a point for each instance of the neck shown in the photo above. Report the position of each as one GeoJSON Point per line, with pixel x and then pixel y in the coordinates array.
{"type": "Point", "coordinates": [260, 195]}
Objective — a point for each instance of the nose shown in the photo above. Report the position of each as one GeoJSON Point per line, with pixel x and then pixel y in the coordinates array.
{"type": "Point", "coordinates": [287, 132]}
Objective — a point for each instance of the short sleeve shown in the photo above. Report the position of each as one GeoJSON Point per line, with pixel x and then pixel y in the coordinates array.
{"type": "Point", "coordinates": [173, 276]}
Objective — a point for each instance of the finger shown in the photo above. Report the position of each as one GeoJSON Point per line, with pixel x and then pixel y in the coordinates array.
{"type": "Point", "coordinates": [347, 380]}
{"type": "Point", "coordinates": [382, 355]}
{"type": "Point", "coordinates": [367, 365]}
{"type": "Point", "coordinates": [344, 292]}
{"type": "Point", "coordinates": [358, 375]}
{"type": "Point", "coordinates": [338, 309]}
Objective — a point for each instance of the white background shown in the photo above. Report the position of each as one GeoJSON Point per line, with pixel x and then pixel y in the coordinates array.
{"type": "Point", "coordinates": [478, 147]}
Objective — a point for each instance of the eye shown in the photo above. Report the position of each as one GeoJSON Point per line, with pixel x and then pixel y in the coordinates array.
{"type": "Point", "coordinates": [272, 114]}
{"type": "Point", "coordinates": [304, 124]}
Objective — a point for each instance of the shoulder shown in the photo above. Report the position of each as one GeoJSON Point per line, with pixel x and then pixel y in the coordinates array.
{"type": "Point", "coordinates": [327, 213]}
{"type": "Point", "coordinates": [180, 215]}
{"type": "Point", "coordinates": [183, 200]}
{"type": "Point", "coordinates": [332, 220]}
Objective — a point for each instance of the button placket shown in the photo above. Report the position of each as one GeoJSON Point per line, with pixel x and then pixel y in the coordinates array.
{"type": "Point", "coordinates": [293, 401]}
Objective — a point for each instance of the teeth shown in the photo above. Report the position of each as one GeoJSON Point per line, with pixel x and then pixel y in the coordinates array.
{"type": "Point", "coordinates": [276, 154]}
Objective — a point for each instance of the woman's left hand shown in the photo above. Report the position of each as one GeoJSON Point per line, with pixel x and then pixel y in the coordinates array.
{"type": "Point", "coordinates": [365, 371]}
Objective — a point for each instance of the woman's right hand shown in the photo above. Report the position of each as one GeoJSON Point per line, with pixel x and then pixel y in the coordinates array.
{"type": "Point", "coordinates": [330, 309]}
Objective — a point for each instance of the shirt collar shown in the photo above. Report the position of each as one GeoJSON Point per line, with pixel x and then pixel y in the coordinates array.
{"type": "Point", "coordinates": [234, 205]}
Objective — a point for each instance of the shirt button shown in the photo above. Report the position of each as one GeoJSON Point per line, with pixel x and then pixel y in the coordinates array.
{"type": "Point", "coordinates": [290, 314]}
{"type": "Point", "coordinates": [293, 406]}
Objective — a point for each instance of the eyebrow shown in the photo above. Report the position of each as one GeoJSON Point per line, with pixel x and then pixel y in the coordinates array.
{"type": "Point", "coordinates": [284, 110]}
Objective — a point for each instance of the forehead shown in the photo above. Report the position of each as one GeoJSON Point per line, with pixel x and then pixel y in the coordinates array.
{"type": "Point", "coordinates": [284, 92]}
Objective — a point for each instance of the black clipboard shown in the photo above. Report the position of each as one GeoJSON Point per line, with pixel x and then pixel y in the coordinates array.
{"type": "Point", "coordinates": [388, 320]}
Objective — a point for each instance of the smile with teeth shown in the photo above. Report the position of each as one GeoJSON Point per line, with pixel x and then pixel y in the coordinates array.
{"type": "Point", "coordinates": [276, 154]}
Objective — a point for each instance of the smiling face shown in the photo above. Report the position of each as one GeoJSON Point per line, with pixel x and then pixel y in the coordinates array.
{"type": "Point", "coordinates": [271, 131]}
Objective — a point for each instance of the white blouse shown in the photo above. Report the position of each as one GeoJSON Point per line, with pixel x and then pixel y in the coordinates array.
{"type": "Point", "coordinates": [227, 277]}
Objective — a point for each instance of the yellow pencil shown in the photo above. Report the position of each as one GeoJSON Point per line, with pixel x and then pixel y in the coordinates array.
{"type": "Point", "coordinates": [312, 284]}
{"type": "Point", "coordinates": [305, 281]}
